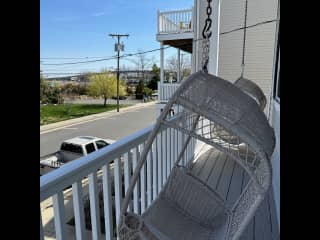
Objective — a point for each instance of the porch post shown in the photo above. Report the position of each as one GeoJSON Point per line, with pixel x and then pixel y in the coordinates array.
{"type": "Point", "coordinates": [161, 62]}
{"type": "Point", "coordinates": [179, 67]}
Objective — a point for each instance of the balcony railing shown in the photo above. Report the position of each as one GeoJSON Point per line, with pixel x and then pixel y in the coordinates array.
{"type": "Point", "coordinates": [166, 90]}
{"type": "Point", "coordinates": [109, 170]}
{"type": "Point", "coordinates": [175, 21]}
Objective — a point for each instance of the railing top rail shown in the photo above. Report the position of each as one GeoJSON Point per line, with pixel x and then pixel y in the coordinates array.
{"type": "Point", "coordinates": [71, 172]}
{"type": "Point", "coordinates": [175, 11]}
{"type": "Point", "coordinates": [170, 84]}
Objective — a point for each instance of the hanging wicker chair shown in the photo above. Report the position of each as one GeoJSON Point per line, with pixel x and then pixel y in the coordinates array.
{"type": "Point", "coordinates": [186, 207]}
{"type": "Point", "coordinates": [253, 90]}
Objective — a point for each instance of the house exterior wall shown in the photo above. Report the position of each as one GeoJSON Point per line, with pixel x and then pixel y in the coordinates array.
{"type": "Point", "coordinates": [259, 46]}
{"type": "Point", "coordinates": [226, 55]}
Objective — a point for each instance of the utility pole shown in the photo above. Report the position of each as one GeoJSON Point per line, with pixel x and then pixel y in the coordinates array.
{"type": "Point", "coordinates": [118, 47]}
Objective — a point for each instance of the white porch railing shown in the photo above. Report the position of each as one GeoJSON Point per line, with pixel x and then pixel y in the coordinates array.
{"type": "Point", "coordinates": [175, 21]}
{"type": "Point", "coordinates": [166, 90]}
{"type": "Point", "coordinates": [113, 166]}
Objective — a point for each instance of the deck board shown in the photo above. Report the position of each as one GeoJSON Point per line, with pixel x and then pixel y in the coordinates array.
{"type": "Point", "coordinates": [249, 232]}
{"type": "Point", "coordinates": [263, 225]}
{"type": "Point", "coordinates": [209, 165]}
{"type": "Point", "coordinates": [273, 218]}
{"type": "Point", "coordinates": [217, 171]}
{"type": "Point", "coordinates": [235, 185]}
{"type": "Point", "coordinates": [225, 179]}
{"type": "Point", "coordinates": [203, 158]}
{"type": "Point", "coordinates": [229, 179]}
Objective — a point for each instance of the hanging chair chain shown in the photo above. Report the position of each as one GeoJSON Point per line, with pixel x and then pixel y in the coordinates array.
{"type": "Point", "coordinates": [244, 37]}
{"type": "Point", "coordinates": [206, 34]}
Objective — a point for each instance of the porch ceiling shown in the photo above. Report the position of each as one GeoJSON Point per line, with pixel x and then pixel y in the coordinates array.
{"type": "Point", "coordinates": [183, 44]}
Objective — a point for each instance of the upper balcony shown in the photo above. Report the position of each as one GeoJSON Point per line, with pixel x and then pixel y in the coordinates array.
{"type": "Point", "coordinates": [176, 28]}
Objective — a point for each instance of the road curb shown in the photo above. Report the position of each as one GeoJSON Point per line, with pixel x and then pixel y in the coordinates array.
{"type": "Point", "coordinates": [92, 117]}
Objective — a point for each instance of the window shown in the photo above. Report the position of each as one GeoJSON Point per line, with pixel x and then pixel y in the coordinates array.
{"type": "Point", "coordinates": [71, 148]}
{"type": "Point", "coordinates": [101, 144]}
{"type": "Point", "coordinates": [90, 148]}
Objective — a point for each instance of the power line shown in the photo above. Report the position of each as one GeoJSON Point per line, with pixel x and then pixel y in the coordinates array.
{"type": "Point", "coordinates": [115, 57]}
{"type": "Point", "coordinates": [153, 50]}
{"type": "Point", "coordinates": [57, 58]}
{"type": "Point", "coordinates": [87, 73]}
{"type": "Point", "coordinates": [70, 63]}
{"type": "Point", "coordinates": [254, 25]}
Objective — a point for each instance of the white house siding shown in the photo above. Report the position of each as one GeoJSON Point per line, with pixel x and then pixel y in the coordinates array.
{"type": "Point", "coordinates": [230, 52]}
{"type": "Point", "coordinates": [259, 42]}
{"type": "Point", "coordinates": [231, 14]}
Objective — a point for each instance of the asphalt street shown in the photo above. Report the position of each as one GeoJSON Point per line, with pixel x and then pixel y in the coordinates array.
{"type": "Point", "coordinates": [112, 127]}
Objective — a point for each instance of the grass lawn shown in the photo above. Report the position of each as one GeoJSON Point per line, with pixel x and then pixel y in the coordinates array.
{"type": "Point", "coordinates": [57, 113]}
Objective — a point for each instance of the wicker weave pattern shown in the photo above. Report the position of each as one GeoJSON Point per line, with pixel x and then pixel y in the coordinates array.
{"type": "Point", "coordinates": [241, 213]}
{"type": "Point", "coordinates": [194, 198]}
{"type": "Point", "coordinates": [252, 90]}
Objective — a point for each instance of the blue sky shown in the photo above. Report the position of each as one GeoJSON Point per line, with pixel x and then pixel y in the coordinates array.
{"type": "Point", "coordinates": [80, 28]}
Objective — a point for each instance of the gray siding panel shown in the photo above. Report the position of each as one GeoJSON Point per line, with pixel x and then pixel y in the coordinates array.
{"type": "Point", "coordinates": [231, 14]}
{"type": "Point", "coordinates": [260, 42]}
{"type": "Point", "coordinates": [261, 10]}
{"type": "Point", "coordinates": [230, 52]}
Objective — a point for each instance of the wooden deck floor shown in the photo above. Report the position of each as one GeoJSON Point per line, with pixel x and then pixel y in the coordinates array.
{"type": "Point", "coordinates": [227, 177]}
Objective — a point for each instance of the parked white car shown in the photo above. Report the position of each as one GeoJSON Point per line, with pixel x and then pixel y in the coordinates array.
{"type": "Point", "coordinates": [70, 150]}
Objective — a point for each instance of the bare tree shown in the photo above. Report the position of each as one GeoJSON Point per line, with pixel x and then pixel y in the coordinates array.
{"type": "Point", "coordinates": [185, 65]}
{"type": "Point", "coordinates": [142, 62]}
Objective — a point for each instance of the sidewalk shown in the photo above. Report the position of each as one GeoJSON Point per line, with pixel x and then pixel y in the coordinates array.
{"type": "Point", "coordinates": [92, 117]}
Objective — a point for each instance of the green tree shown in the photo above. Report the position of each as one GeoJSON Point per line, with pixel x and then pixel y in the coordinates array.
{"type": "Point", "coordinates": [44, 89]}
{"type": "Point", "coordinates": [153, 84]}
{"type": "Point", "coordinates": [105, 85]}
{"type": "Point", "coordinates": [139, 89]}
{"type": "Point", "coordinates": [122, 88]}
{"type": "Point", "coordinates": [147, 92]}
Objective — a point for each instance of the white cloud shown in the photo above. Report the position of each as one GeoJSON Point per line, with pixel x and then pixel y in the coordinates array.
{"type": "Point", "coordinates": [98, 14]}
{"type": "Point", "coordinates": [65, 19]}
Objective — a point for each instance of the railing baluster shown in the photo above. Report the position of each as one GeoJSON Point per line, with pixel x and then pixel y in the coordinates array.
{"type": "Point", "coordinates": [94, 206]}
{"type": "Point", "coordinates": [135, 190]}
{"type": "Point", "coordinates": [59, 215]}
{"type": "Point", "coordinates": [127, 173]}
{"type": "Point", "coordinates": [130, 175]}
{"type": "Point", "coordinates": [171, 132]}
{"type": "Point", "coordinates": [149, 179]}
{"type": "Point", "coordinates": [166, 23]}
{"type": "Point", "coordinates": [78, 210]}
{"type": "Point", "coordinates": [159, 159]}
{"type": "Point", "coordinates": [41, 227]}
{"type": "Point", "coordinates": [168, 152]}
{"type": "Point", "coordinates": [107, 201]}
{"type": "Point", "coordinates": [174, 145]}
{"type": "Point", "coordinates": [154, 169]}
{"type": "Point", "coordinates": [178, 146]}
{"type": "Point", "coordinates": [118, 187]}
{"type": "Point", "coordinates": [164, 157]}
{"type": "Point", "coordinates": [176, 22]}
{"type": "Point", "coordinates": [143, 187]}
